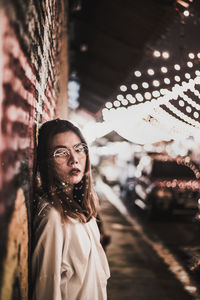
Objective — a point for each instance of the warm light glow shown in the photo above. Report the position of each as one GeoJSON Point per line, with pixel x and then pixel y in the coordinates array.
{"type": "Point", "coordinates": [188, 109]}
{"type": "Point", "coordinates": [177, 78]}
{"type": "Point", "coordinates": [123, 88]}
{"type": "Point", "coordinates": [165, 54]}
{"type": "Point", "coordinates": [108, 104]}
{"type": "Point", "coordinates": [177, 67]}
{"type": "Point", "coordinates": [166, 80]}
{"type": "Point", "coordinates": [120, 97]}
{"type": "Point", "coordinates": [139, 97]}
{"type": "Point", "coordinates": [137, 73]}
{"type": "Point", "coordinates": [124, 102]}
{"type": "Point", "coordinates": [186, 13]}
{"type": "Point", "coordinates": [164, 70]}
{"type": "Point", "coordinates": [116, 103]}
{"type": "Point", "coordinates": [156, 53]}
{"type": "Point", "coordinates": [150, 72]}
{"type": "Point", "coordinates": [191, 55]}
{"type": "Point", "coordinates": [145, 85]}
{"type": "Point", "coordinates": [147, 95]}
{"type": "Point", "coordinates": [156, 94]}
{"type": "Point", "coordinates": [197, 72]}
{"type": "Point", "coordinates": [134, 86]}
{"type": "Point", "coordinates": [189, 64]}
{"type": "Point", "coordinates": [156, 82]}
{"type": "Point", "coordinates": [198, 55]}
{"type": "Point", "coordinates": [196, 115]}
{"type": "Point", "coordinates": [187, 75]}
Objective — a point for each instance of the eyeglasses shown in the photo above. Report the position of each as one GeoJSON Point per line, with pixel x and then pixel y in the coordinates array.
{"type": "Point", "coordinates": [62, 154]}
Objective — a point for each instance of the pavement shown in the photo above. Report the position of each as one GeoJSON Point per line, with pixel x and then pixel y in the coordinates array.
{"type": "Point", "coordinates": [139, 270]}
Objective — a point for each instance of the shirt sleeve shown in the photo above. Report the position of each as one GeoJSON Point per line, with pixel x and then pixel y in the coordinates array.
{"type": "Point", "coordinates": [47, 257]}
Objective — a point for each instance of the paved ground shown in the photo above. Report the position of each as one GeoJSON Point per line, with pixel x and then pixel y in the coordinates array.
{"type": "Point", "coordinates": [137, 272]}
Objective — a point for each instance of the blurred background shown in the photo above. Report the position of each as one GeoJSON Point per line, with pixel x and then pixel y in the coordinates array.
{"type": "Point", "coordinates": [128, 74]}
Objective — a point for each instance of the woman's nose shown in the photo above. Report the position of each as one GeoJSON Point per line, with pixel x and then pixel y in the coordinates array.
{"type": "Point", "coordinates": [73, 159]}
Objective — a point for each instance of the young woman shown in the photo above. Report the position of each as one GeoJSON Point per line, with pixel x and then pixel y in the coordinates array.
{"type": "Point", "coordinates": [68, 261]}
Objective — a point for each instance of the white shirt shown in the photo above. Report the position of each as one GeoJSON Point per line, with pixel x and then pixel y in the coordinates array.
{"type": "Point", "coordinates": [68, 261]}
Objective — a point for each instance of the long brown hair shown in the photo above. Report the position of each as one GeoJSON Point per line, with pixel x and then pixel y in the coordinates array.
{"type": "Point", "coordinates": [83, 206]}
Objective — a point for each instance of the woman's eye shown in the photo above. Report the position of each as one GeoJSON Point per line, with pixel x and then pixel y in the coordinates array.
{"type": "Point", "coordinates": [61, 153]}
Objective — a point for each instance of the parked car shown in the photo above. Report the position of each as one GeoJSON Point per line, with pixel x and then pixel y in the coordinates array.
{"type": "Point", "coordinates": [162, 184]}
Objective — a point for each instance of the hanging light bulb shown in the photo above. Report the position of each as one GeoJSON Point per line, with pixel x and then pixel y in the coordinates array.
{"type": "Point", "coordinates": [164, 70]}
{"type": "Point", "coordinates": [177, 67]}
{"type": "Point", "coordinates": [156, 82]}
{"type": "Point", "coordinates": [156, 53]}
{"type": "Point", "coordinates": [137, 73]}
{"type": "Point", "coordinates": [186, 13]}
{"type": "Point", "coordinates": [191, 55]}
{"type": "Point", "coordinates": [167, 80]}
{"type": "Point", "coordinates": [120, 97]}
{"type": "Point", "coordinates": [116, 103]}
{"type": "Point", "coordinates": [165, 54]}
{"type": "Point", "coordinates": [123, 88]}
{"type": "Point", "coordinates": [150, 72]}
{"type": "Point", "coordinates": [108, 104]}
{"type": "Point", "coordinates": [145, 85]}
{"type": "Point", "coordinates": [134, 86]}
{"type": "Point", "coordinates": [189, 64]}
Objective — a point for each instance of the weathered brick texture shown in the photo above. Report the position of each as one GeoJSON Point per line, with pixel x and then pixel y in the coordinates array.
{"type": "Point", "coordinates": [33, 89]}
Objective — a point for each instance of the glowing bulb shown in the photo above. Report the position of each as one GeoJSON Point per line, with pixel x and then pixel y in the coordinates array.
{"type": "Point", "coordinates": [123, 88]}
{"type": "Point", "coordinates": [166, 80]}
{"type": "Point", "coordinates": [177, 78]}
{"type": "Point", "coordinates": [198, 55]}
{"type": "Point", "coordinates": [191, 55]}
{"type": "Point", "coordinates": [145, 85]}
{"type": "Point", "coordinates": [129, 96]}
{"type": "Point", "coordinates": [165, 54]}
{"type": "Point", "coordinates": [196, 115]}
{"type": "Point", "coordinates": [156, 94]}
{"type": "Point", "coordinates": [181, 103]}
{"type": "Point", "coordinates": [186, 13]}
{"type": "Point", "coordinates": [120, 97]}
{"type": "Point", "coordinates": [156, 82]}
{"type": "Point", "coordinates": [187, 75]}
{"type": "Point", "coordinates": [116, 103]}
{"type": "Point", "coordinates": [164, 69]}
{"type": "Point", "coordinates": [134, 86]}
{"type": "Point", "coordinates": [132, 100]}
{"type": "Point", "coordinates": [188, 109]}
{"type": "Point", "coordinates": [108, 104]}
{"type": "Point", "coordinates": [156, 53]}
{"type": "Point", "coordinates": [189, 64]}
{"type": "Point", "coordinates": [137, 73]}
{"type": "Point", "coordinates": [177, 67]}
{"type": "Point", "coordinates": [139, 97]}
{"type": "Point", "coordinates": [197, 73]}
{"type": "Point", "coordinates": [150, 72]}
{"type": "Point", "coordinates": [124, 102]}
{"type": "Point", "coordinates": [147, 95]}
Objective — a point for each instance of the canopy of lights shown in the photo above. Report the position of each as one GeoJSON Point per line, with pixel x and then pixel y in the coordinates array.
{"type": "Point", "coordinates": [160, 101]}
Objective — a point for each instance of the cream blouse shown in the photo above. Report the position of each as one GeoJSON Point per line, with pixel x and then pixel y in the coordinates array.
{"type": "Point", "coordinates": [68, 261]}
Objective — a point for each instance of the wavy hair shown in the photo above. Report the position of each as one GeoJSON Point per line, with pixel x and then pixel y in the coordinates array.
{"type": "Point", "coordinates": [83, 206]}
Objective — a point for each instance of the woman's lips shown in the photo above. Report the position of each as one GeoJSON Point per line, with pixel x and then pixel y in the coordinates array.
{"type": "Point", "coordinates": [74, 172]}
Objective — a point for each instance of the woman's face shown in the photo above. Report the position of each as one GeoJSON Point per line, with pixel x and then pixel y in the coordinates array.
{"type": "Point", "coordinates": [68, 155]}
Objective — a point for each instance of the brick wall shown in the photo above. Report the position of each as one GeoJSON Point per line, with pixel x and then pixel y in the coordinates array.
{"type": "Point", "coordinates": [33, 89]}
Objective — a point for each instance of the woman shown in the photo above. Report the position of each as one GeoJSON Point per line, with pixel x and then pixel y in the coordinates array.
{"type": "Point", "coordinates": [68, 261]}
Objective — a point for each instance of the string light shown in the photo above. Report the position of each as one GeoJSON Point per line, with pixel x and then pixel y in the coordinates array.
{"type": "Point", "coordinates": [156, 53]}
{"type": "Point", "coordinates": [116, 103]}
{"type": "Point", "coordinates": [186, 13]}
{"type": "Point", "coordinates": [177, 78]}
{"type": "Point", "coordinates": [108, 104]}
{"type": "Point", "coordinates": [150, 72]}
{"type": "Point", "coordinates": [165, 54]}
{"type": "Point", "coordinates": [167, 80]}
{"type": "Point", "coordinates": [137, 73]}
{"type": "Point", "coordinates": [189, 64]}
{"type": "Point", "coordinates": [120, 97]}
{"type": "Point", "coordinates": [145, 85]}
{"type": "Point", "coordinates": [147, 95]}
{"type": "Point", "coordinates": [177, 67]}
{"type": "Point", "coordinates": [164, 70]}
{"type": "Point", "coordinates": [123, 88]}
{"type": "Point", "coordinates": [156, 83]}
{"type": "Point", "coordinates": [191, 55]}
{"type": "Point", "coordinates": [134, 86]}
{"type": "Point", "coordinates": [139, 97]}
